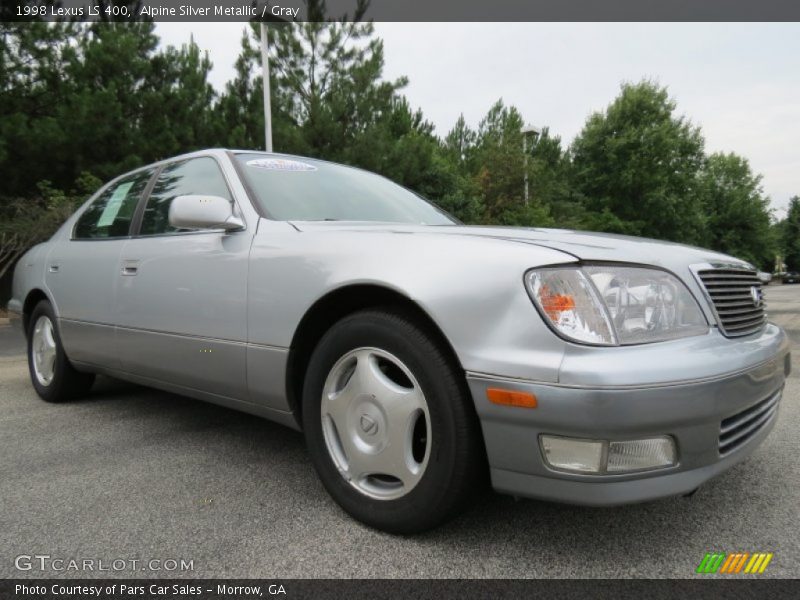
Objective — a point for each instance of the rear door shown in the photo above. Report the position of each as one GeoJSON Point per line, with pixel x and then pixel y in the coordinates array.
{"type": "Point", "coordinates": [82, 271]}
{"type": "Point", "coordinates": [182, 294]}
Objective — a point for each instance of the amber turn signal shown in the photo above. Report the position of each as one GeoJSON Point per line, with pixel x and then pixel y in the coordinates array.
{"type": "Point", "coordinates": [511, 398]}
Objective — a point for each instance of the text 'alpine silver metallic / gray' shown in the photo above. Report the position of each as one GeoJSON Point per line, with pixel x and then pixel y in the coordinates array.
{"type": "Point", "coordinates": [419, 356]}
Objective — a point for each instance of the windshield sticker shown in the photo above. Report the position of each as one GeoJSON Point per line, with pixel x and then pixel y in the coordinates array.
{"type": "Point", "coordinates": [280, 164]}
{"type": "Point", "coordinates": [114, 204]}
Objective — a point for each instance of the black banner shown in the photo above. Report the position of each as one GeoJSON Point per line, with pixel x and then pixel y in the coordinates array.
{"type": "Point", "coordinates": [403, 10]}
{"type": "Point", "coordinates": [354, 589]}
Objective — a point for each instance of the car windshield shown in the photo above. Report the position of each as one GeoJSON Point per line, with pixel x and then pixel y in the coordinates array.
{"type": "Point", "coordinates": [303, 189]}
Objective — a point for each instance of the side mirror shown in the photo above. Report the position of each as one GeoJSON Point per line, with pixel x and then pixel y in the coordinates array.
{"type": "Point", "coordinates": [203, 212]}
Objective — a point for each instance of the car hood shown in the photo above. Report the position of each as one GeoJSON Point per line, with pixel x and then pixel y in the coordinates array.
{"type": "Point", "coordinates": [587, 246]}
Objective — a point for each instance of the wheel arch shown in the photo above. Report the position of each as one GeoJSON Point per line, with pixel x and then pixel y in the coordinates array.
{"type": "Point", "coordinates": [336, 305]}
{"type": "Point", "coordinates": [33, 298]}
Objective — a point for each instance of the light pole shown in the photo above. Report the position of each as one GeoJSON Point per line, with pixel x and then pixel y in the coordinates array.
{"type": "Point", "coordinates": [265, 76]}
{"type": "Point", "coordinates": [526, 129]}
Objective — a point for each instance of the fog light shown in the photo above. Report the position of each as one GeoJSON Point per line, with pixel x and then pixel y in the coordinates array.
{"type": "Point", "coordinates": [603, 456]}
{"type": "Point", "coordinates": [570, 454]}
{"type": "Point", "coordinates": [638, 455]}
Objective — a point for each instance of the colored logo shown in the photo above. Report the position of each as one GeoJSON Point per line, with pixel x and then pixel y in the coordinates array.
{"type": "Point", "coordinates": [734, 562]}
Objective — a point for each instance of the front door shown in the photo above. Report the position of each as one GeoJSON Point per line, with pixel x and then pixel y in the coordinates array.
{"type": "Point", "coordinates": [182, 298]}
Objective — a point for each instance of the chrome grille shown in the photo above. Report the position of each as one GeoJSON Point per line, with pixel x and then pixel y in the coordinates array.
{"type": "Point", "coordinates": [737, 429]}
{"type": "Point", "coordinates": [731, 293]}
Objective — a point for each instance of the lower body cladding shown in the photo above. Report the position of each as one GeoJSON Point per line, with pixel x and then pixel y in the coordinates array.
{"type": "Point", "coordinates": [608, 446]}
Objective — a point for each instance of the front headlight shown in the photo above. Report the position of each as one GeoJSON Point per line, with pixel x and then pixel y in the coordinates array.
{"type": "Point", "coordinates": [614, 305]}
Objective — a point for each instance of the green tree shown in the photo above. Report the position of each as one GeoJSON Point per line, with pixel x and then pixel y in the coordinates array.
{"type": "Point", "coordinates": [132, 102]}
{"type": "Point", "coordinates": [736, 210]}
{"type": "Point", "coordinates": [459, 144]}
{"type": "Point", "coordinates": [791, 235]}
{"type": "Point", "coordinates": [25, 222]}
{"type": "Point", "coordinates": [101, 97]}
{"type": "Point", "coordinates": [457, 152]}
{"type": "Point", "coordinates": [328, 95]}
{"type": "Point", "coordinates": [110, 82]}
{"type": "Point", "coordinates": [636, 164]}
{"type": "Point", "coordinates": [33, 87]}
{"type": "Point", "coordinates": [177, 106]}
{"type": "Point", "coordinates": [240, 110]}
{"type": "Point", "coordinates": [499, 165]}
{"type": "Point", "coordinates": [330, 100]}
{"type": "Point", "coordinates": [549, 181]}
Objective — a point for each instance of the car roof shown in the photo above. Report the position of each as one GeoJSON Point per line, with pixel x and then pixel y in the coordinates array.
{"type": "Point", "coordinates": [224, 151]}
{"type": "Point", "coordinates": [214, 152]}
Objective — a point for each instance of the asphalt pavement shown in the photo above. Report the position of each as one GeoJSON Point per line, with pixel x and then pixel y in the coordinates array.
{"type": "Point", "coordinates": [135, 474]}
{"type": "Point", "coordinates": [11, 342]}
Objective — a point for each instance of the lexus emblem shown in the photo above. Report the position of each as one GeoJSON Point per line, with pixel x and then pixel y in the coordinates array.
{"type": "Point", "coordinates": [369, 425]}
{"type": "Point", "coordinates": [755, 294]}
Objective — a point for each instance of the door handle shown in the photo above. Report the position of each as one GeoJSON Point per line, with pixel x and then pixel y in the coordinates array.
{"type": "Point", "coordinates": [54, 268]}
{"type": "Point", "coordinates": [130, 267]}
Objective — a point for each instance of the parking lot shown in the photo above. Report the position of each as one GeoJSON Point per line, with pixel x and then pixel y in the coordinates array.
{"type": "Point", "coordinates": [133, 473]}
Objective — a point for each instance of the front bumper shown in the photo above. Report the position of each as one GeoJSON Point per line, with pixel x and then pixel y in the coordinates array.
{"type": "Point", "coordinates": [689, 410]}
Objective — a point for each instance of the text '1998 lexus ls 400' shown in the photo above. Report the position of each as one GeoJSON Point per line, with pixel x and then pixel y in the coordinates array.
{"type": "Point", "coordinates": [416, 354]}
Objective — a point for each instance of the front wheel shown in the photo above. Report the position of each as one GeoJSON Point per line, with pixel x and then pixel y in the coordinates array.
{"type": "Point", "coordinates": [52, 375]}
{"type": "Point", "coordinates": [389, 423]}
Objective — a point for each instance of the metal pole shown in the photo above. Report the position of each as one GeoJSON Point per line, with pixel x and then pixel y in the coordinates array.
{"type": "Point", "coordinates": [265, 75]}
{"type": "Point", "coordinates": [525, 152]}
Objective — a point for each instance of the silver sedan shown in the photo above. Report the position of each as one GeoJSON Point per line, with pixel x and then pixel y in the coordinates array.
{"type": "Point", "coordinates": [419, 356]}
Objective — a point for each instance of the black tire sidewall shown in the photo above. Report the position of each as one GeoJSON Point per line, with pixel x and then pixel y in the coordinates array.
{"type": "Point", "coordinates": [429, 501]}
{"type": "Point", "coordinates": [57, 390]}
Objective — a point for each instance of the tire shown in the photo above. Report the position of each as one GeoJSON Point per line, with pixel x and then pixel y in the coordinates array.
{"type": "Point", "coordinates": [52, 375]}
{"type": "Point", "coordinates": [402, 449]}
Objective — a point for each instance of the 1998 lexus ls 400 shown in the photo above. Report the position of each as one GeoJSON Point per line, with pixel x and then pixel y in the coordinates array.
{"type": "Point", "coordinates": [416, 354]}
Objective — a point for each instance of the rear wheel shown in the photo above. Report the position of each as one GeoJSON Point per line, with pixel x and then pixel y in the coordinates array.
{"type": "Point", "coordinates": [389, 424]}
{"type": "Point", "coordinates": [52, 375]}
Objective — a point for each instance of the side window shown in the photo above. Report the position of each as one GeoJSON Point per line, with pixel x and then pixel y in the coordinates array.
{"type": "Point", "coordinates": [193, 176]}
{"type": "Point", "coordinates": [110, 215]}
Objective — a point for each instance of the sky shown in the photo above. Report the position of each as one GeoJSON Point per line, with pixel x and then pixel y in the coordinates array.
{"type": "Point", "coordinates": [739, 82]}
